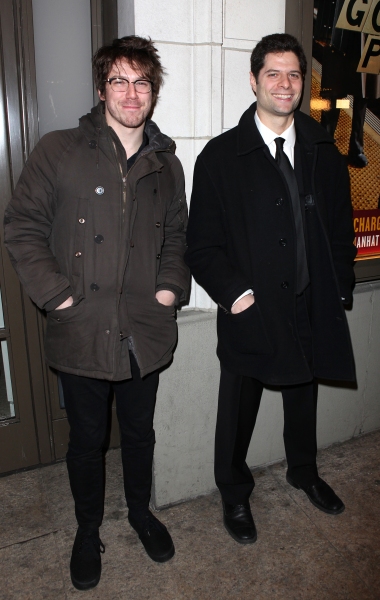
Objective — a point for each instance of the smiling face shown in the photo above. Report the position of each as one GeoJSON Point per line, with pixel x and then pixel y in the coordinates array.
{"type": "Point", "coordinates": [126, 109]}
{"type": "Point", "coordinates": [278, 89]}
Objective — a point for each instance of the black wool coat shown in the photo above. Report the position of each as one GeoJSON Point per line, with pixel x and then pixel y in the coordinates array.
{"type": "Point", "coordinates": [241, 235]}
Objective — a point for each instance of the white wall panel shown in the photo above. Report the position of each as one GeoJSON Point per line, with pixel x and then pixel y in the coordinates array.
{"type": "Point", "coordinates": [174, 113]}
{"type": "Point", "coordinates": [184, 21]}
{"type": "Point", "coordinates": [187, 154]}
{"type": "Point", "coordinates": [238, 94]}
{"type": "Point", "coordinates": [217, 21]}
{"type": "Point", "coordinates": [216, 90]}
{"type": "Point", "coordinates": [202, 90]}
{"type": "Point", "coordinates": [251, 20]}
{"type": "Point", "coordinates": [165, 21]}
{"type": "Point", "coordinates": [202, 21]}
{"type": "Point", "coordinates": [185, 106]}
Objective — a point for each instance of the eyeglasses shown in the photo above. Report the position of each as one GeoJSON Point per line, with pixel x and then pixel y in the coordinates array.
{"type": "Point", "coordinates": [120, 84]}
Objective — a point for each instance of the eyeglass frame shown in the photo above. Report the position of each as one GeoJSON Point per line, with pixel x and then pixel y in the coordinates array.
{"type": "Point", "coordinates": [110, 79]}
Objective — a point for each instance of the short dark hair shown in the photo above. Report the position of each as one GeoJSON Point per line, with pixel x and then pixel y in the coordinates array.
{"type": "Point", "coordinates": [139, 52]}
{"type": "Point", "coordinates": [275, 44]}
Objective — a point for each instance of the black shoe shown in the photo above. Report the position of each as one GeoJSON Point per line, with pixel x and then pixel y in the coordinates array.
{"type": "Point", "coordinates": [321, 495]}
{"type": "Point", "coordinates": [238, 521]}
{"type": "Point", "coordinates": [86, 564]}
{"type": "Point", "coordinates": [357, 160]}
{"type": "Point", "coordinates": [154, 537]}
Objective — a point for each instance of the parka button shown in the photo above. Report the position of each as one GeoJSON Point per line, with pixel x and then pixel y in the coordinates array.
{"type": "Point", "coordinates": [81, 220]}
{"type": "Point", "coordinates": [94, 287]}
{"type": "Point", "coordinates": [282, 242]}
{"type": "Point", "coordinates": [158, 256]}
{"type": "Point", "coordinates": [78, 254]}
{"type": "Point", "coordinates": [158, 224]}
{"type": "Point", "coordinates": [92, 144]}
{"type": "Point", "coordinates": [132, 244]}
{"type": "Point", "coordinates": [154, 191]}
{"type": "Point", "coordinates": [107, 331]}
{"type": "Point", "coordinates": [279, 201]}
{"type": "Point", "coordinates": [99, 190]}
{"type": "Point", "coordinates": [284, 285]}
{"type": "Point", "coordinates": [99, 239]}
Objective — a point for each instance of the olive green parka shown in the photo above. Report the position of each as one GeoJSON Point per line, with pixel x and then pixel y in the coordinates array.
{"type": "Point", "coordinates": [76, 226]}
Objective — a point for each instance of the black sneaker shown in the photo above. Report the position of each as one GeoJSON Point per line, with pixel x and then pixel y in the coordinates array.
{"type": "Point", "coordinates": [154, 537]}
{"type": "Point", "coordinates": [86, 564]}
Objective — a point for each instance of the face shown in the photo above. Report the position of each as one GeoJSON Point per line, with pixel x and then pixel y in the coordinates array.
{"type": "Point", "coordinates": [278, 87]}
{"type": "Point", "coordinates": [129, 109]}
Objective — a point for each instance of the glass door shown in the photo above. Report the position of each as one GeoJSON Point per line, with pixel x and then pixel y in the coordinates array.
{"type": "Point", "coordinates": [7, 406]}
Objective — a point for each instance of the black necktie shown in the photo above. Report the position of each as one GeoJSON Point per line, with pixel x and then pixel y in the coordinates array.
{"type": "Point", "coordinates": [288, 172]}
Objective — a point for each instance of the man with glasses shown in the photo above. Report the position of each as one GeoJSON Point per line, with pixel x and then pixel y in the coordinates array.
{"type": "Point", "coordinates": [270, 238]}
{"type": "Point", "coordinates": [96, 232]}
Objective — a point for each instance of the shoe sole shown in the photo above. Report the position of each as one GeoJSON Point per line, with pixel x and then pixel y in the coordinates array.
{"type": "Point", "coordinates": [162, 558]}
{"type": "Point", "coordinates": [84, 586]}
{"type": "Point", "coordinates": [325, 510]}
{"type": "Point", "coordinates": [239, 540]}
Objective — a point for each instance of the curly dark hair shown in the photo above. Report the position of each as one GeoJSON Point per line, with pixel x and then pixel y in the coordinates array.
{"type": "Point", "coordinates": [139, 52]}
{"type": "Point", "coordinates": [276, 43]}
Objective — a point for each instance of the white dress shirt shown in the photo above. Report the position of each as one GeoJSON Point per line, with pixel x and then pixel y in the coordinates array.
{"type": "Point", "coordinates": [289, 135]}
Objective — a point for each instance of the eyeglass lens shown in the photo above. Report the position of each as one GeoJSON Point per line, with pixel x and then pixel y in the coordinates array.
{"type": "Point", "coordinates": [121, 85]}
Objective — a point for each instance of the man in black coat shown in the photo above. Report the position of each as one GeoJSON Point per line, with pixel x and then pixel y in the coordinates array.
{"type": "Point", "coordinates": [270, 239]}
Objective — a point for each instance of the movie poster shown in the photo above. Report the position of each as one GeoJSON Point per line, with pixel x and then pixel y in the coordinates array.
{"type": "Point", "coordinates": [345, 99]}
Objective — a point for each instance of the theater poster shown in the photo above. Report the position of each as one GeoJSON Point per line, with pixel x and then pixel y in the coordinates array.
{"type": "Point", "coordinates": [345, 99]}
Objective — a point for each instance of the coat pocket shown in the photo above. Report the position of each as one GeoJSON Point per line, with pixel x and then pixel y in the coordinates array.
{"type": "Point", "coordinates": [246, 331]}
{"type": "Point", "coordinates": [154, 331]}
{"type": "Point", "coordinates": [78, 337]}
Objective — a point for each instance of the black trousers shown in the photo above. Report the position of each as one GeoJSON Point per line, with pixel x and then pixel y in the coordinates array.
{"type": "Point", "coordinates": [238, 406]}
{"type": "Point", "coordinates": [87, 406]}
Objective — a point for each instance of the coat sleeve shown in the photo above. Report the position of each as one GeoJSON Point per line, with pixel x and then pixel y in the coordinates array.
{"type": "Point", "coordinates": [174, 274]}
{"type": "Point", "coordinates": [207, 239]}
{"type": "Point", "coordinates": [27, 227]}
{"type": "Point", "coordinates": [342, 235]}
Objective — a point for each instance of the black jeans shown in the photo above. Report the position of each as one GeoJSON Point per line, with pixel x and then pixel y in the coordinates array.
{"type": "Point", "coordinates": [87, 406]}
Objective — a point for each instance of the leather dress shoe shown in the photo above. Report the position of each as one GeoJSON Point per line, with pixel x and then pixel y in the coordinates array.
{"type": "Point", "coordinates": [321, 495]}
{"type": "Point", "coordinates": [154, 537]}
{"type": "Point", "coordinates": [238, 521]}
{"type": "Point", "coordinates": [357, 160]}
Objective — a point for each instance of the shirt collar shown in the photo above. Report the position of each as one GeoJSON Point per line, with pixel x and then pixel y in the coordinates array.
{"type": "Point", "coordinates": [269, 136]}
